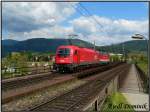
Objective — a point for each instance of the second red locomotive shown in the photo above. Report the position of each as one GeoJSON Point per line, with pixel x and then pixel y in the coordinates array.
{"type": "Point", "coordinates": [104, 58]}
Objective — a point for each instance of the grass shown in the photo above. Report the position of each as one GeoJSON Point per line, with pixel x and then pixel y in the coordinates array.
{"type": "Point", "coordinates": [18, 73]}
{"type": "Point", "coordinates": [116, 103]}
{"type": "Point", "coordinates": [143, 66]}
{"type": "Point", "coordinates": [24, 71]}
{"type": "Point", "coordinates": [7, 75]}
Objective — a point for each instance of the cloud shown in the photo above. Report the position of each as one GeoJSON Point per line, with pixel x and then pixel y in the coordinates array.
{"type": "Point", "coordinates": [84, 25]}
{"type": "Point", "coordinates": [106, 30]}
{"type": "Point", "coordinates": [54, 32]}
{"type": "Point", "coordinates": [106, 25]}
{"type": "Point", "coordinates": [28, 16]}
{"type": "Point", "coordinates": [51, 32]}
{"type": "Point", "coordinates": [24, 20]}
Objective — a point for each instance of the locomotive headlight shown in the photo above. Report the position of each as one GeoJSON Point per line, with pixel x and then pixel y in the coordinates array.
{"type": "Point", "coordinates": [62, 60]}
{"type": "Point", "coordinates": [95, 57]}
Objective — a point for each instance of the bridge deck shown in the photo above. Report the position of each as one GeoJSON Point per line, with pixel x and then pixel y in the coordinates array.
{"type": "Point", "coordinates": [133, 91]}
{"type": "Point", "coordinates": [132, 82]}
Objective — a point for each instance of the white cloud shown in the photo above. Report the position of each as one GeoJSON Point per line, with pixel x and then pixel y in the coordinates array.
{"type": "Point", "coordinates": [109, 30]}
{"type": "Point", "coordinates": [27, 16]}
{"type": "Point", "coordinates": [53, 32]}
{"type": "Point", "coordinates": [42, 20]}
{"type": "Point", "coordinates": [84, 25]}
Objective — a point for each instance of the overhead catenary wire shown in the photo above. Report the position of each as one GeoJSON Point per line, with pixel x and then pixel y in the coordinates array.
{"type": "Point", "coordinates": [92, 18]}
{"type": "Point", "coordinates": [84, 14]}
{"type": "Point", "coordinates": [88, 14]}
{"type": "Point", "coordinates": [78, 10]}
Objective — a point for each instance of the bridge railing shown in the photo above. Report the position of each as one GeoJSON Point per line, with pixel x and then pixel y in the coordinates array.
{"type": "Point", "coordinates": [144, 78]}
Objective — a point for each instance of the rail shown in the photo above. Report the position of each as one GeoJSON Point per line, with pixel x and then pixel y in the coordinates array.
{"type": "Point", "coordinates": [18, 84]}
{"type": "Point", "coordinates": [79, 99]}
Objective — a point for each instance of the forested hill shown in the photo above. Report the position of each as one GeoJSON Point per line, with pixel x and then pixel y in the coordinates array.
{"type": "Point", "coordinates": [134, 46]}
{"type": "Point", "coordinates": [50, 45]}
{"type": "Point", "coordinates": [39, 45]}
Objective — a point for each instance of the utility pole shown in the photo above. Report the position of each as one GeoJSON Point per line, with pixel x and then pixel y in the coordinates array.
{"type": "Point", "coordinates": [71, 36]}
{"type": "Point", "coordinates": [123, 50]}
{"type": "Point", "coordinates": [94, 44]}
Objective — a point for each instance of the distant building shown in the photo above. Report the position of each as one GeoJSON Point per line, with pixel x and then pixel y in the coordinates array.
{"type": "Point", "coordinates": [113, 54]}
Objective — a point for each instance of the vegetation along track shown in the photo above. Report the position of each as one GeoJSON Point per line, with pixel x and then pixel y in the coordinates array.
{"type": "Point", "coordinates": [76, 99]}
{"type": "Point", "coordinates": [26, 86]}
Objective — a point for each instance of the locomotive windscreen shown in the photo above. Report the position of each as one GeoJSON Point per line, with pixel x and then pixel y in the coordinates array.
{"type": "Point", "coordinates": [63, 52]}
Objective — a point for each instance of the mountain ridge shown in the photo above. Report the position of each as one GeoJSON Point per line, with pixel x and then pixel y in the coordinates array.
{"type": "Point", "coordinates": [50, 45]}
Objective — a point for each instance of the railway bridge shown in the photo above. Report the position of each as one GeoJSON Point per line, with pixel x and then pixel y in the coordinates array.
{"type": "Point", "coordinates": [126, 79]}
{"type": "Point", "coordinates": [100, 82]}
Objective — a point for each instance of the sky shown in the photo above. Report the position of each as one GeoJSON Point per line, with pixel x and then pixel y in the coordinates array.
{"type": "Point", "coordinates": [103, 22]}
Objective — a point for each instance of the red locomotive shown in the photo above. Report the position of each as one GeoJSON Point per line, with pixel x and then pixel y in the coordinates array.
{"type": "Point", "coordinates": [71, 57]}
{"type": "Point", "coordinates": [104, 58]}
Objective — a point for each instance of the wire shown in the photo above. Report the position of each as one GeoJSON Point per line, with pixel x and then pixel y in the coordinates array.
{"type": "Point", "coordinates": [90, 14]}
{"type": "Point", "coordinates": [78, 10]}
{"type": "Point", "coordinates": [93, 18]}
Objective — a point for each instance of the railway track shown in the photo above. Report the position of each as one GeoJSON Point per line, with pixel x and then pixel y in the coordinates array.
{"type": "Point", "coordinates": [29, 80]}
{"type": "Point", "coordinates": [70, 99]}
{"type": "Point", "coordinates": [17, 88]}
{"type": "Point", "coordinates": [76, 99]}
{"type": "Point", "coordinates": [26, 81]}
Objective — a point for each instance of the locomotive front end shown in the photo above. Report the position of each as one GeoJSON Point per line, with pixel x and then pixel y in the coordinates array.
{"type": "Point", "coordinates": [63, 59]}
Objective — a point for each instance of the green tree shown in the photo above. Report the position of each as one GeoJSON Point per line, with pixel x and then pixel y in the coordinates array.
{"type": "Point", "coordinates": [16, 60]}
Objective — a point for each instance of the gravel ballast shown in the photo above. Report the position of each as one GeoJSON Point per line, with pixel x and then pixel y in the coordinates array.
{"type": "Point", "coordinates": [34, 99]}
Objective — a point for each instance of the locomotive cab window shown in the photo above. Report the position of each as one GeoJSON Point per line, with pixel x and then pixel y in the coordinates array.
{"type": "Point", "coordinates": [63, 52]}
{"type": "Point", "coordinates": [75, 52]}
